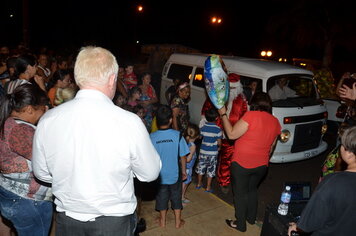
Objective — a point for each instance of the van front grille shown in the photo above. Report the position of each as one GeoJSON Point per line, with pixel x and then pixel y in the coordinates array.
{"type": "Point", "coordinates": [307, 136]}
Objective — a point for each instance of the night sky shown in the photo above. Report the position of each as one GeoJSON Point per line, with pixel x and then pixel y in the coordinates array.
{"type": "Point", "coordinates": [247, 26]}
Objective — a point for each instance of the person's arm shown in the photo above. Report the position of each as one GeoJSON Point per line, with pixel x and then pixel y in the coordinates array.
{"type": "Point", "coordinates": [219, 144]}
{"type": "Point", "coordinates": [192, 150]}
{"type": "Point", "coordinates": [175, 118]}
{"type": "Point", "coordinates": [39, 162]}
{"type": "Point", "coordinates": [40, 81]}
{"type": "Point", "coordinates": [233, 132]}
{"type": "Point", "coordinates": [183, 152]}
{"type": "Point", "coordinates": [273, 146]}
{"type": "Point", "coordinates": [121, 88]}
{"type": "Point", "coordinates": [146, 163]}
{"type": "Point", "coordinates": [347, 92]}
{"type": "Point", "coordinates": [341, 81]}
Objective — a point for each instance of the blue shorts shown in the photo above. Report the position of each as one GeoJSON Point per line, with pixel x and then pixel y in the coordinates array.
{"type": "Point", "coordinates": [207, 164]}
{"type": "Point", "coordinates": [189, 176]}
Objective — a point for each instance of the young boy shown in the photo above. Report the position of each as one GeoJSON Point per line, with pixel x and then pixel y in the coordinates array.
{"type": "Point", "coordinates": [209, 149]}
{"type": "Point", "coordinates": [130, 78]}
{"type": "Point", "coordinates": [172, 149]}
{"type": "Point", "coordinates": [331, 209]}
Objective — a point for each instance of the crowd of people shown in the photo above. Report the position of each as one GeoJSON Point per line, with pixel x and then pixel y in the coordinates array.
{"type": "Point", "coordinates": [82, 135]}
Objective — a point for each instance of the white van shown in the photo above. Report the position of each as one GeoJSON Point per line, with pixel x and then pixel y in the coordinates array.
{"type": "Point", "coordinates": [303, 117]}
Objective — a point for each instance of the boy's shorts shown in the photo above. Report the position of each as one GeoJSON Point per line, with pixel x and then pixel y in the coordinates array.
{"type": "Point", "coordinates": [207, 164]}
{"type": "Point", "coordinates": [172, 192]}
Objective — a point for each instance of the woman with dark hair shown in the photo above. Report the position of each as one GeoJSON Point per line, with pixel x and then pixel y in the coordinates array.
{"type": "Point", "coordinates": [256, 135]}
{"type": "Point", "coordinates": [179, 105]}
{"type": "Point", "coordinates": [25, 73]}
{"type": "Point", "coordinates": [60, 79]}
{"type": "Point", "coordinates": [23, 200]}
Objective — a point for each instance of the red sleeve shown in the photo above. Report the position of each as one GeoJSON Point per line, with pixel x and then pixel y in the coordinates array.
{"type": "Point", "coordinates": [20, 140]}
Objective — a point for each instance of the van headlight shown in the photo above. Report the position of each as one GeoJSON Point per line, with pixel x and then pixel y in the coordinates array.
{"type": "Point", "coordinates": [284, 136]}
{"type": "Point", "coordinates": [324, 128]}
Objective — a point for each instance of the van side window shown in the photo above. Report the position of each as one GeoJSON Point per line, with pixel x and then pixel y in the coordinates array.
{"type": "Point", "coordinates": [180, 72]}
{"type": "Point", "coordinates": [199, 78]}
{"type": "Point", "coordinates": [250, 86]}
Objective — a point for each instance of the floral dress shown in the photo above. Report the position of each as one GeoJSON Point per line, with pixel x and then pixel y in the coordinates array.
{"type": "Point", "coordinates": [183, 116]}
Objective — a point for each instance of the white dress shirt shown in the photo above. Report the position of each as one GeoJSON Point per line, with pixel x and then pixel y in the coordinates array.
{"type": "Point", "coordinates": [277, 93]}
{"type": "Point", "coordinates": [90, 149]}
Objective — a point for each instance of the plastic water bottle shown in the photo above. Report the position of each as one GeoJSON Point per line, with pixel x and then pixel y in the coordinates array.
{"type": "Point", "coordinates": [285, 199]}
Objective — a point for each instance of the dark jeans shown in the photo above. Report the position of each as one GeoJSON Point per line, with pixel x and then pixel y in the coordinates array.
{"type": "Point", "coordinates": [244, 186]}
{"type": "Point", "coordinates": [28, 216]}
{"type": "Point", "coordinates": [102, 226]}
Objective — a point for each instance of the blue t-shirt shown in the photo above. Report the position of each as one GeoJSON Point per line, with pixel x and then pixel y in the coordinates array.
{"type": "Point", "coordinates": [166, 144]}
{"type": "Point", "coordinates": [194, 157]}
{"type": "Point", "coordinates": [211, 133]}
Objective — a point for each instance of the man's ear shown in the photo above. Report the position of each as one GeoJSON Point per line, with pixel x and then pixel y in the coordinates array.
{"type": "Point", "coordinates": [112, 81]}
{"type": "Point", "coordinates": [28, 109]}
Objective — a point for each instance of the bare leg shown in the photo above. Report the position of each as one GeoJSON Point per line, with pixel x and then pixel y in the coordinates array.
{"type": "Point", "coordinates": [179, 221]}
{"type": "Point", "coordinates": [162, 218]}
{"type": "Point", "coordinates": [184, 189]}
{"type": "Point", "coordinates": [208, 184]}
{"type": "Point", "coordinates": [200, 180]}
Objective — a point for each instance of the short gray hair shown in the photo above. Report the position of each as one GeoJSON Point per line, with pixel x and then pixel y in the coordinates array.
{"type": "Point", "coordinates": [94, 65]}
{"type": "Point", "coordinates": [348, 139]}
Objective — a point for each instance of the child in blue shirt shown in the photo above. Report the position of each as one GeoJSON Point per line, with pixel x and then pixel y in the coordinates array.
{"type": "Point", "coordinates": [209, 149]}
{"type": "Point", "coordinates": [172, 150]}
{"type": "Point", "coordinates": [191, 134]}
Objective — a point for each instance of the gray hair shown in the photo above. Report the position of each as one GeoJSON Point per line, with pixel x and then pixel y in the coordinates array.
{"type": "Point", "coordinates": [94, 66]}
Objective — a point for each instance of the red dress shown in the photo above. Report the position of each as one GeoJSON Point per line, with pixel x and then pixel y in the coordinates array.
{"type": "Point", "coordinates": [238, 109]}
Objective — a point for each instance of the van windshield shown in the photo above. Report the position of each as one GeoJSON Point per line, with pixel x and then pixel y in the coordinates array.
{"type": "Point", "coordinates": [293, 91]}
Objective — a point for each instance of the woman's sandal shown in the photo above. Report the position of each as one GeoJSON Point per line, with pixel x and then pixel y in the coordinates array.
{"type": "Point", "coordinates": [198, 186]}
{"type": "Point", "coordinates": [231, 223]}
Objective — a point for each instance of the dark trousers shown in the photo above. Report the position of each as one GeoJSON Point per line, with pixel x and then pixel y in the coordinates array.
{"type": "Point", "coordinates": [102, 226]}
{"type": "Point", "coordinates": [244, 186]}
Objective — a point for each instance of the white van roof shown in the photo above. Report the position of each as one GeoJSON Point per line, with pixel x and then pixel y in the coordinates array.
{"type": "Point", "coordinates": [255, 68]}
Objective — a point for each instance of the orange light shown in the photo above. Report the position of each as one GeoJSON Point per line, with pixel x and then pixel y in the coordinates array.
{"type": "Point", "coordinates": [213, 20]}
{"type": "Point", "coordinates": [219, 21]}
{"type": "Point", "coordinates": [198, 77]}
{"type": "Point", "coordinates": [140, 8]}
{"type": "Point", "coordinates": [287, 120]}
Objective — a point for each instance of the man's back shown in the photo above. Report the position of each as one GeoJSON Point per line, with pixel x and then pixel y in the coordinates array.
{"type": "Point", "coordinates": [92, 150]}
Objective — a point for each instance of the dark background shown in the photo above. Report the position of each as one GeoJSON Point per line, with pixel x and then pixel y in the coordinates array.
{"type": "Point", "coordinates": [289, 28]}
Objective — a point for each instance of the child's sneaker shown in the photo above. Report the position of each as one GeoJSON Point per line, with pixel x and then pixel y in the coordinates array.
{"type": "Point", "coordinates": [185, 201]}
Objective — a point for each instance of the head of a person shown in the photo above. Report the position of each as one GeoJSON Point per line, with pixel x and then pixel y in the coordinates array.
{"type": "Point", "coordinates": [235, 86]}
{"type": "Point", "coordinates": [261, 101]}
{"type": "Point", "coordinates": [96, 68]}
{"type": "Point", "coordinates": [129, 68]}
{"type": "Point", "coordinates": [25, 64]}
{"type": "Point", "coordinates": [119, 99]}
{"type": "Point", "coordinates": [62, 63]}
{"type": "Point", "coordinates": [135, 93]}
{"type": "Point", "coordinates": [348, 145]}
{"type": "Point", "coordinates": [139, 110]}
{"type": "Point", "coordinates": [64, 95]}
{"type": "Point", "coordinates": [4, 50]}
{"type": "Point", "coordinates": [192, 131]}
{"type": "Point", "coordinates": [60, 79]}
{"type": "Point", "coordinates": [211, 115]}
{"type": "Point", "coordinates": [183, 90]}
{"type": "Point", "coordinates": [176, 81]}
{"type": "Point", "coordinates": [282, 82]}
{"type": "Point", "coordinates": [43, 60]}
{"type": "Point", "coordinates": [253, 85]}
{"type": "Point", "coordinates": [146, 78]}
{"type": "Point", "coordinates": [164, 116]}
{"type": "Point", "coordinates": [27, 102]}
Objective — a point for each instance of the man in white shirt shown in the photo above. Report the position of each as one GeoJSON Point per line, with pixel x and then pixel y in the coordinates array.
{"type": "Point", "coordinates": [281, 90]}
{"type": "Point", "coordinates": [90, 150]}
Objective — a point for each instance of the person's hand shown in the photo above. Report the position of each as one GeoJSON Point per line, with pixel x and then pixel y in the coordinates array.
{"type": "Point", "coordinates": [184, 176]}
{"type": "Point", "coordinates": [40, 82]}
{"type": "Point", "coordinates": [292, 227]}
{"type": "Point", "coordinates": [222, 110]}
{"type": "Point", "coordinates": [347, 92]}
{"type": "Point", "coordinates": [346, 75]}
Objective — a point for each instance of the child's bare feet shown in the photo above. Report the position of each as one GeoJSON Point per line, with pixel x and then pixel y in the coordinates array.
{"type": "Point", "coordinates": [161, 222]}
{"type": "Point", "coordinates": [180, 224]}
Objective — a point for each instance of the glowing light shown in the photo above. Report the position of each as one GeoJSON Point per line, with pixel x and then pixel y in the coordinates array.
{"type": "Point", "coordinates": [11, 15]}
{"type": "Point", "coordinates": [140, 8]}
{"type": "Point", "coordinates": [219, 21]}
{"type": "Point", "coordinates": [263, 53]}
{"type": "Point", "coordinates": [269, 53]}
{"type": "Point", "coordinates": [213, 20]}
{"type": "Point", "coordinates": [198, 77]}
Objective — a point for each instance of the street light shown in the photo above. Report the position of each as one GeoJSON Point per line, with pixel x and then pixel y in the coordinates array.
{"type": "Point", "coordinates": [266, 53]}
{"type": "Point", "coordinates": [216, 20]}
{"type": "Point", "coordinates": [140, 8]}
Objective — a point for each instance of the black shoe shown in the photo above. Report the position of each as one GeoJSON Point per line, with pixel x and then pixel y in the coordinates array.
{"type": "Point", "coordinates": [141, 226]}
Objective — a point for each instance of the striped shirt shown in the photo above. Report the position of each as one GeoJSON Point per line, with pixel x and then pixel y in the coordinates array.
{"type": "Point", "coordinates": [211, 133]}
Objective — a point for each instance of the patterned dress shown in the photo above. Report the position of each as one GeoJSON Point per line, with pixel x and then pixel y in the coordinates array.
{"type": "Point", "coordinates": [183, 116]}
